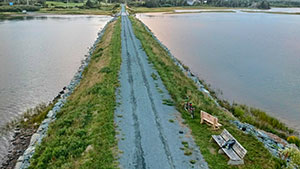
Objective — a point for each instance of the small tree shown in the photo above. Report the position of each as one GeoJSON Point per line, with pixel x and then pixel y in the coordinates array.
{"type": "Point", "coordinates": [89, 4]}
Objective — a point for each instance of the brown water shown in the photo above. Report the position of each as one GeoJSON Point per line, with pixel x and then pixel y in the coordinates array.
{"type": "Point", "coordinates": [38, 57]}
{"type": "Point", "coordinates": [253, 58]}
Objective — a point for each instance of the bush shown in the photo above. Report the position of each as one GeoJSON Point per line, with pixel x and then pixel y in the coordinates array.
{"type": "Point", "coordinates": [238, 112]}
{"type": "Point", "coordinates": [116, 6]}
{"type": "Point", "coordinates": [294, 140]}
{"type": "Point", "coordinates": [89, 4]}
{"type": "Point", "coordinates": [166, 5]}
{"type": "Point", "coordinates": [151, 4]}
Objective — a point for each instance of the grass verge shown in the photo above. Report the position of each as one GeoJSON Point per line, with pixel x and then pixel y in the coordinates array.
{"type": "Point", "coordinates": [83, 136]}
{"type": "Point", "coordinates": [76, 11]}
{"type": "Point", "coordinates": [180, 86]}
{"type": "Point", "coordinates": [270, 12]}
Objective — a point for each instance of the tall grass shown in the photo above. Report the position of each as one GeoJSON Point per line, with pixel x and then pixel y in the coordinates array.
{"type": "Point", "coordinates": [261, 120]}
{"type": "Point", "coordinates": [31, 118]}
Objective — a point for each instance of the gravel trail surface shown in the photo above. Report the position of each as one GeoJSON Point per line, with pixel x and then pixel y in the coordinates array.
{"type": "Point", "coordinates": [151, 133]}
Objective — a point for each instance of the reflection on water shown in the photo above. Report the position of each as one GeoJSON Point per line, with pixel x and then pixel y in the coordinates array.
{"type": "Point", "coordinates": [39, 56]}
{"type": "Point", "coordinates": [252, 57]}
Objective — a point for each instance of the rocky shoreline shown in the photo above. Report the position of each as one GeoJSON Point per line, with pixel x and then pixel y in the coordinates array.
{"type": "Point", "coordinates": [19, 143]}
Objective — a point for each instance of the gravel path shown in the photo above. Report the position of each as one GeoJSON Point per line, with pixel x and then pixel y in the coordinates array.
{"type": "Point", "coordinates": [151, 134]}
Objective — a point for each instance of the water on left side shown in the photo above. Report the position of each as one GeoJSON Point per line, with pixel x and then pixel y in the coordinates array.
{"type": "Point", "coordinates": [38, 57]}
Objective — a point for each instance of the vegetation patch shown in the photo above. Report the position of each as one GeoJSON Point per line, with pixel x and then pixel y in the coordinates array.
{"type": "Point", "coordinates": [168, 102]}
{"type": "Point", "coordinates": [294, 140]}
{"type": "Point", "coordinates": [19, 8]}
{"type": "Point", "coordinates": [83, 136]}
{"type": "Point", "coordinates": [261, 120]}
{"type": "Point", "coordinates": [179, 87]}
{"type": "Point", "coordinates": [154, 76]}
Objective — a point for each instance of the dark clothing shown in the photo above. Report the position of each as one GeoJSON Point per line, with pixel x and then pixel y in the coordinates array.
{"type": "Point", "coordinates": [229, 144]}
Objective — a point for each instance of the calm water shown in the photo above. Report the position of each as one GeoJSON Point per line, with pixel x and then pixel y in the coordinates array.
{"type": "Point", "coordinates": [252, 58]}
{"type": "Point", "coordinates": [38, 57]}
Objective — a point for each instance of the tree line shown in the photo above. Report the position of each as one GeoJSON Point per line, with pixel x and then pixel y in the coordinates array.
{"type": "Point", "coordinates": [260, 4]}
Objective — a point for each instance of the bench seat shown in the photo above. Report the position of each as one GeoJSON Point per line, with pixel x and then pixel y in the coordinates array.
{"type": "Point", "coordinates": [236, 153]}
{"type": "Point", "coordinates": [230, 153]}
{"type": "Point", "coordinates": [210, 119]}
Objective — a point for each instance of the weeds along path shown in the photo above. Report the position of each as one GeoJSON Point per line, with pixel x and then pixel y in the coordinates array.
{"type": "Point", "coordinates": [151, 134]}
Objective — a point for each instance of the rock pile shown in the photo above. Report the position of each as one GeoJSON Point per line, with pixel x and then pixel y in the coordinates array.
{"type": "Point", "coordinates": [274, 145]}
{"type": "Point", "coordinates": [20, 141]}
{"type": "Point", "coordinates": [36, 139]}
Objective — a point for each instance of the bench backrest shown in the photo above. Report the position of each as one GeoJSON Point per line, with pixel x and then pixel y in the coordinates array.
{"type": "Point", "coordinates": [209, 117]}
{"type": "Point", "coordinates": [237, 147]}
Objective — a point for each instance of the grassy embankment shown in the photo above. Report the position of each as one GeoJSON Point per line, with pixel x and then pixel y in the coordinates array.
{"type": "Point", "coordinates": [270, 12]}
{"type": "Point", "coordinates": [83, 136]}
{"type": "Point", "coordinates": [180, 86]}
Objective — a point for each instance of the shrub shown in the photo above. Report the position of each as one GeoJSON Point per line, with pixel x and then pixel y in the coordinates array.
{"type": "Point", "coordinates": [89, 4]}
{"type": "Point", "coordinates": [294, 140]}
{"type": "Point", "coordinates": [116, 6]}
{"type": "Point", "coordinates": [105, 70]}
{"type": "Point", "coordinates": [237, 111]}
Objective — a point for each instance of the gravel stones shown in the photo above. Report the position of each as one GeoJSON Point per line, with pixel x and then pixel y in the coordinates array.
{"type": "Point", "coordinates": [273, 145]}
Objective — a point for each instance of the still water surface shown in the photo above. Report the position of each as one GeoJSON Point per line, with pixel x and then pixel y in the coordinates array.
{"type": "Point", "coordinates": [38, 57]}
{"type": "Point", "coordinates": [253, 58]}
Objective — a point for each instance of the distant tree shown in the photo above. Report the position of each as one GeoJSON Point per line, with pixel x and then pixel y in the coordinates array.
{"type": "Point", "coordinates": [89, 4]}
{"type": "Point", "coordinates": [151, 3]}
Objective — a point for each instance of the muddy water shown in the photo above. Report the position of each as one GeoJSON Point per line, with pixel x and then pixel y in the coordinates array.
{"type": "Point", "coordinates": [253, 58]}
{"type": "Point", "coordinates": [39, 56]}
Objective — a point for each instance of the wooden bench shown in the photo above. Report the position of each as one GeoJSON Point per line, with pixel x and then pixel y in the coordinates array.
{"type": "Point", "coordinates": [236, 153]}
{"type": "Point", "coordinates": [205, 117]}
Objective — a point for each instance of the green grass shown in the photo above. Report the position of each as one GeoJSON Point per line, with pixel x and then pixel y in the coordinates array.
{"type": "Point", "coordinates": [62, 4]}
{"type": "Point", "coordinates": [87, 119]}
{"type": "Point", "coordinates": [36, 115]}
{"type": "Point", "coordinates": [261, 120]}
{"type": "Point", "coordinates": [179, 86]}
{"type": "Point", "coordinates": [270, 12]}
{"type": "Point", "coordinates": [76, 11]}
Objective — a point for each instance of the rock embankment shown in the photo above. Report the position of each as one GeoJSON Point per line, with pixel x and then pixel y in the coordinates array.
{"type": "Point", "coordinates": [272, 142]}
{"type": "Point", "coordinates": [19, 143]}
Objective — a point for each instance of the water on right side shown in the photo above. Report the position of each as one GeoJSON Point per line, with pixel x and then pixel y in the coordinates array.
{"type": "Point", "coordinates": [253, 58]}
